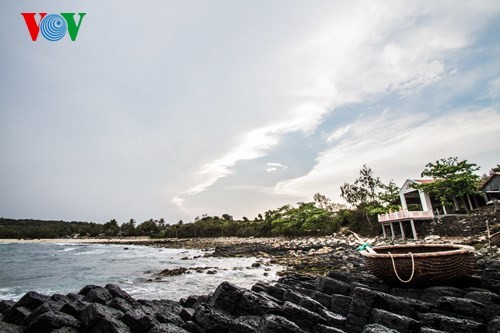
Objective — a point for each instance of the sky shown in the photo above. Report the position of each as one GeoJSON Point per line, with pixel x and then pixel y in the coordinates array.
{"type": "Point", "coordinates": [173, 109]}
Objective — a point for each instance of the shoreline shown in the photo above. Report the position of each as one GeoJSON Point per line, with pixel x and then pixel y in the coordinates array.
{"type": "Point", "coordinates": [76, 240]}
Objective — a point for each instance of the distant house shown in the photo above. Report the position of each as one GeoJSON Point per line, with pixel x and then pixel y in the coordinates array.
{"type": "Point", "coordinates": [418, 206]}
{"type": "Point", "coordinates": [491, 188]}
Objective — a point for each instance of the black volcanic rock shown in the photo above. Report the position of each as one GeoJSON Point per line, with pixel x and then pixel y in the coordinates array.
{"type": "Point", "coordinates": [355, 302]}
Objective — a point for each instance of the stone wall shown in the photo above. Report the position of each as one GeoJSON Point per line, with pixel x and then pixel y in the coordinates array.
{"type": "Point", "coordinates": [463, 225]}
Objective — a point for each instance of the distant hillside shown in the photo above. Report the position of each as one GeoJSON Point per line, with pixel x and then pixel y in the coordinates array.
{"type": "Point", "coordinates": [17, 229]}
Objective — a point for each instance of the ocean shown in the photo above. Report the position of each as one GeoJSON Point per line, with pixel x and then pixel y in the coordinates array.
{"type": "Point", "coordinates": [50, 268]}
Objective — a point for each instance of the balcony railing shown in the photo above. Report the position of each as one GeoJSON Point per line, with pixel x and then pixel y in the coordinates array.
{"type": "Point", "coordinates": [405, 215]}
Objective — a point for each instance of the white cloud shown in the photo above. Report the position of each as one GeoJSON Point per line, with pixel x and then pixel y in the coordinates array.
{"type": "Point", "coordinates": [273, 167]}
{"type": "Point", "coordinates": [397, 147]}
{"type": "Point", "coordinates": [187, 104]}
{"type": "Point", "coordinates": [346, 59]}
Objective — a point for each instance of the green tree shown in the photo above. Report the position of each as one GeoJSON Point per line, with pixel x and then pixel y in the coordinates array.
{"type": "Point", "coordinates": [452, 179]}
{"type": "Point", "coordinates": [147, 228]}
{"type": "Point", "coordinates": [363, 190]}
{"type": "Point", "coordinates": [128, 228]}
{"type": "Point", "coordinates": [111, 228]}
{"type": "Point", "coordinates": [389, 196]}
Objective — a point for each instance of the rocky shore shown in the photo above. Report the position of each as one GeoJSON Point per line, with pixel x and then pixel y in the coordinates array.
{"type": "Point", "coordinates": [342, 297]}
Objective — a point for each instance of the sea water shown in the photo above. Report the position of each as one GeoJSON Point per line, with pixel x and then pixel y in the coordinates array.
{"type": "Point", "coordinates": [50, 268]}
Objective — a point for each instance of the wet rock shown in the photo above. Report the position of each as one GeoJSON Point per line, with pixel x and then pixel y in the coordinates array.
{"type": "Point", "coordinates": [98, 295]}
{"type": "Point", "coordinates": [85, 290]}
{"type": "Point", "coordinates": [376, 328]}
{"type": "Point", "coordinates": [186, 314]}
{"type": "Point", "coordinates": [173, 272]}
{"type": "Point", "coordinates": [110, 326]}
{"type": "Point", "coordinates": [490, 300]}
{"type": "Point", "coordinates": [51, 320]}
{"type": "Point", "coordinates": [226, 297]}
{"type": "Point", "coordinates": [65, 330]}
{"type": "Point", "coordinates": [74, 308]}
{"type": "Point", "coordinates": [331, 286]}
{"type": "Point", "coordinates": [245, 324]}
{"type": "Point", "coordinates": [252, 303]}
{"type": "Point", "coordinates": [16, 314]}
{"type": "Point", "coordinates": [166, 328]}
{"type": "Point", "coordinates": [9, 328]}
{"type": "Point", "coordinates": [22, 309]}
{"type": "Point", "coordinates": [189, 302]}
{"type": "Point", "coordinates": [5, 305]}
{"type": "Point", "coordinates": [333, 319]}
{"type": "Point", "coordinates": [463, 307]}
{"type": "Point", "coordinates": [494, 325]}
{"type": "Point", "coordinates": [139, 321]}
{"type": "Point", "coordinates": [300, 316]}
{"type": "Point", "coordinates": [432, 294]}
{"type": "Point", "coordinates": [320, 328]}
{"type": "Point", "coordinates": [397, 322]}
{"type": "Point", "coordinates": [116, 291]}
{"type": "Point", "coordinates": [211, 319]}
{"type": "Point", "coordinates": [97, 313]}
{"type": "Point", "coordinates": [321, 298]}
{"type": "Point", "coordinates": [340, 304]}
{"type": "Point", "coordinates": [120, 304]}
{"type": "Point", "coordinates": [277, 324]}
{"type": "Point", "coordinates": [450, 324]}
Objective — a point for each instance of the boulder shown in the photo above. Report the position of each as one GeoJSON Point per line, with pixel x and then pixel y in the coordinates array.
{"type": "Point", "coordinates": [65, 330]}
{"type": "Point", "coordinates": [494, 325]}
{"type": "Point", "coordinates": [211, 319]}
{"type": "Point", "coordinates": [331, 286]}
{"type": "Point", "coordinates": [10, 328]}
{"type": "Point", "coordinates": [52, 320]}
{"type": "Point", "coordinates": [432, 294]}
{"type": "Point", "coordinates": [120, 304]}
{"type": "Point", "coordinates": [97, 314]}
{"type": "Point", "coordinates": [376, 328]}
{"type": "Point", "coordinates": [463, 307]}
{"type": "Point", "coordinates": [320, 328]}
{"type": "Point", "coordinates": [450, 324]}
{"type": "Point", "coordinates": [98, 295]}
{"type": "Point", "coordinates": [340, 304]}
{"type": "Point", "coordinates": [5, 305]}
{"type": "Point", "coordinates": [394, 321]}
{"type": "Point", "coordinates": [139, 321]}
{"type": "Point", "coordinates": [245, 324]}
{"type": "Point", "coordinates": [322, 298]}
{"type": "Point", "coordinates": [277, 324]}
{"type": "Point", "coordinates": [304, 318]}
{"type": "Point", "coordinates": [226, 297]}
{"type": "Point", "coordinates": [166, 328]}
{"type": "Point", "coordinates": [110, 326]}
{"type": "Point", "coordinates": [252, 303]}
{"type": "Point", "coordinates": [116, 291]}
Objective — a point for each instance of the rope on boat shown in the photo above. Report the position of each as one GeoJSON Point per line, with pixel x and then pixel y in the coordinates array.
{"type": "Point", "coordinates": [412, 268]}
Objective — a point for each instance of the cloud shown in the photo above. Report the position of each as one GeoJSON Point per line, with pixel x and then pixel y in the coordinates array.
{"type": "Point", "coordinates": [397, 147]}
{"type": "Point", "coordinates": [179, 118]}
{"type": "Point", "coordinates": [348, 59]}
{"type": "Point", "coordinates": [274, 167]}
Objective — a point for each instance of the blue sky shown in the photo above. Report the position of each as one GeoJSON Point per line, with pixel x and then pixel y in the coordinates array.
{"type": "Point", "coordinates": [176, 109]}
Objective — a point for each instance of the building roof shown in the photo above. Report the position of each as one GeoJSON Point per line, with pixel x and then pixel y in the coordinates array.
{"type": "Point", "coordinates": [407, 185]}
{"type": "Point", "coordinates": [493, 175]}
{"type": "Point", "coordinates": [424, 181]}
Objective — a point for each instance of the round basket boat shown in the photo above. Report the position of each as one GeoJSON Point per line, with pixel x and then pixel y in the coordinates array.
{"type": "Point", "coordinates": [420, 262]}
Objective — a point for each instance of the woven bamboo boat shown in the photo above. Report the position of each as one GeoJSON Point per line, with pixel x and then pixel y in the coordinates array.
{"type": "Point", "coordinates": [420, 263]}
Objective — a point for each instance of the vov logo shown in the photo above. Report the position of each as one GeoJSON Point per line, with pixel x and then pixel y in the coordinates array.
{"type": "Point", "coordinates": [53, 26]}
